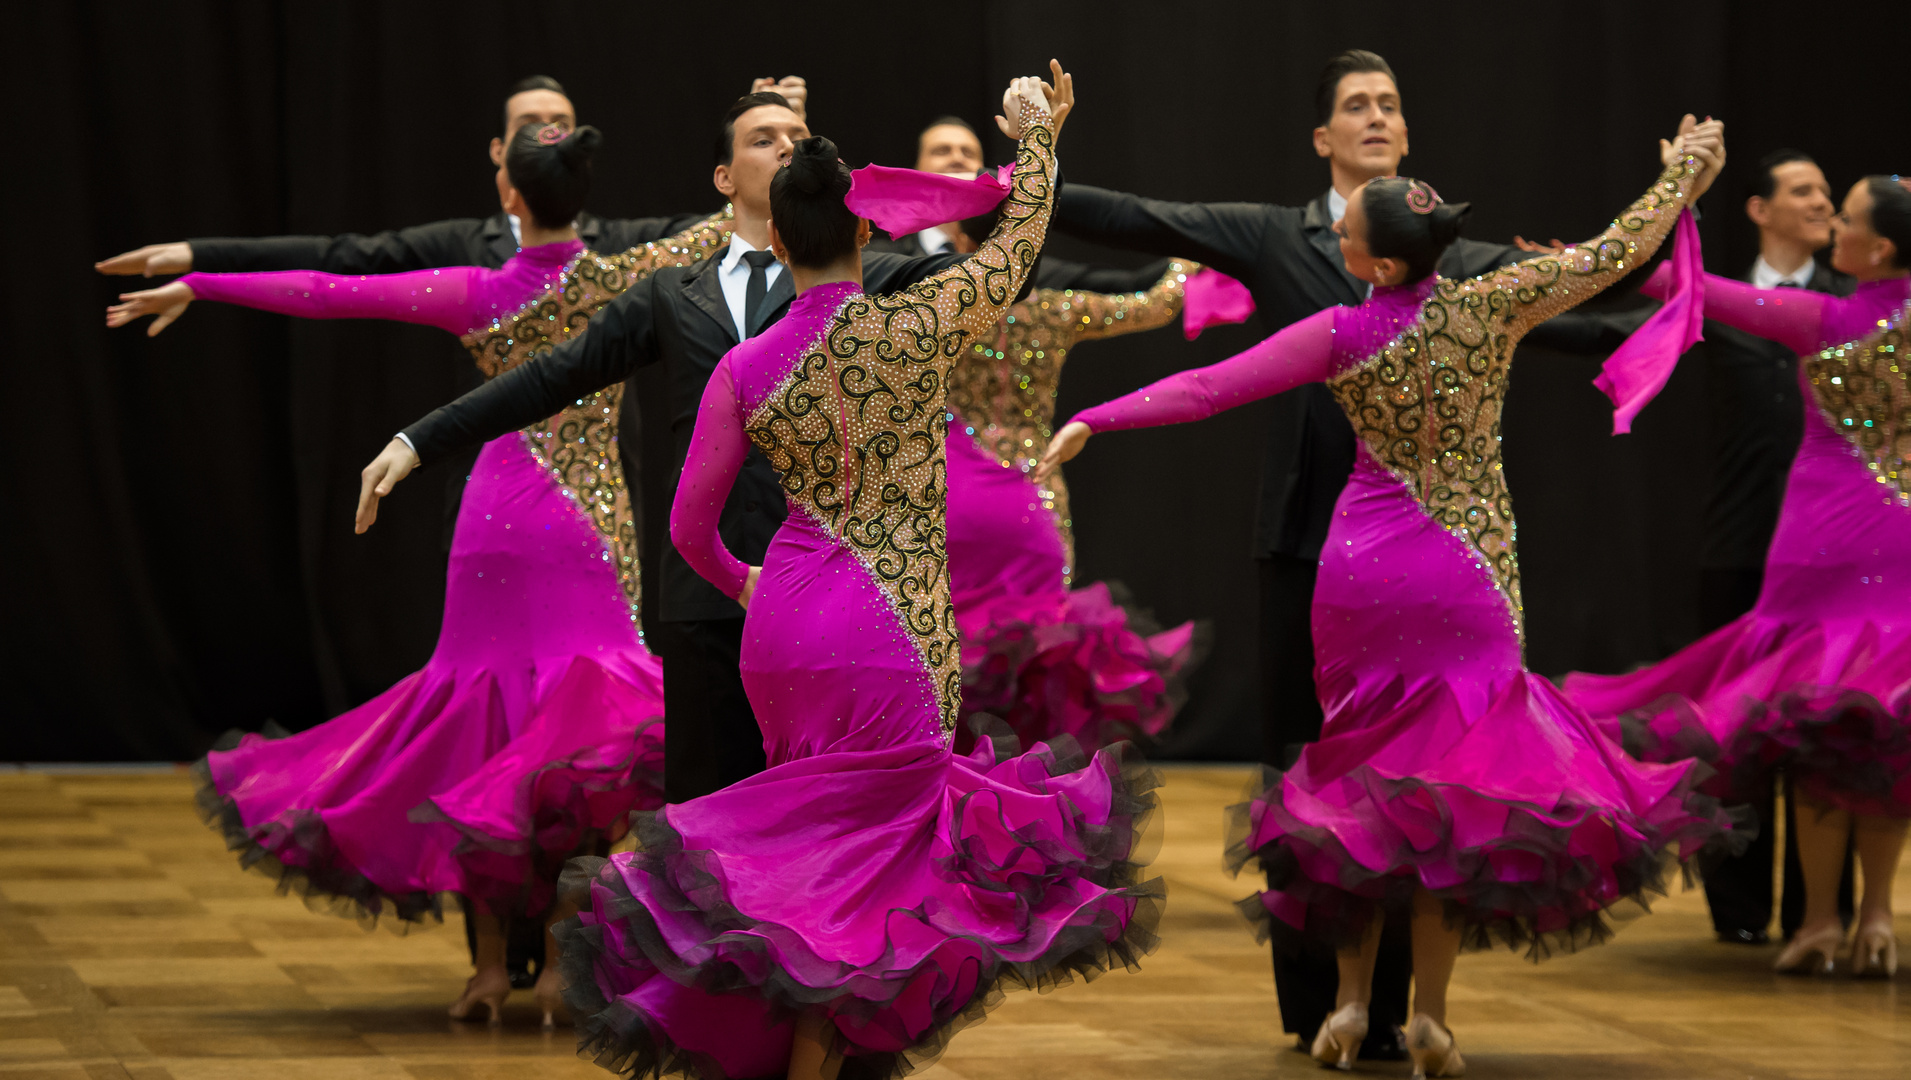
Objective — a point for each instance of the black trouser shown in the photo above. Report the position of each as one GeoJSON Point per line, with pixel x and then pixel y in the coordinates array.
{"type": "Point", "coordinates": [1738, 888]}
{"type": "Point", "coordinates": [1306, 977]}
{"type": "Point", "coordinates": [711, 739]}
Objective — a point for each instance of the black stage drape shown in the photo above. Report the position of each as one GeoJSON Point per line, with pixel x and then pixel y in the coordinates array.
{"type": "Point", "coordinates": [178, 556]}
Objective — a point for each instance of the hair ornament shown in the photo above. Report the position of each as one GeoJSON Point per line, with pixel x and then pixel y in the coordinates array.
{"type": "Point", "coordinates": [1421, 198]}
{"type": "Point", "coordinates": [552, 134]}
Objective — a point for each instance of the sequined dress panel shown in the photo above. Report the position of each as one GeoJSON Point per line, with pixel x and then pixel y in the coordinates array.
{"type": "Point", "coordinates": [1045, 659]}
{"type": "Point", "coordinates": [536, 724]}
{"type": "Point", "coordinates": [1816, 678]}
{"type": "Point", "coordinates": [869, 874]}
{"type": "Point", "coordinates": [1443, 763]}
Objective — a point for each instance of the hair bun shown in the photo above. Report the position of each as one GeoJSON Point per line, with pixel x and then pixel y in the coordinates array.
{"type": "Point", "coordinates": [814, 166]}
{"type": "Point", "coordinates": [581, 146]}
{"type": "Point", "coordinates": [1447, 220]}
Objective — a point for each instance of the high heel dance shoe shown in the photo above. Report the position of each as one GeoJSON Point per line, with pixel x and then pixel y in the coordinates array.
{"type": "Point", "coordinates": [1433, 1049]}
{"type": "Point", "coordinates": [1874, 953]}
{"type": "Point", "coordinates": [1811, 954]}
{"type": "Point", "coordinates": [488, 988]}
{"type": "Point", "coordinates": [1339, 1038]}
{"type": "Point", "coordinates": [550, 998]}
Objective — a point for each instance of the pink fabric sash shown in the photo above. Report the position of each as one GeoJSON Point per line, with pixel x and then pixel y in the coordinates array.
{"type": "Point", "coordinates": [904, 201]}
{"type": "Point", "coordinates": [1213, 299]}
{"type": "Point", "coordinates": [1639, 368]}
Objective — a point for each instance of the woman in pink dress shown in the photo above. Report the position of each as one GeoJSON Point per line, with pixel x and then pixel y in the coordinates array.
{"type": "Point", "coordinates": [1048, 659]}
{"type": "Point", "coordinates": [536, 726]}
{"type": "Point", "coordinates": [1448, 779]}
{"type": "Point", "coordinates": [872, 890]}
{"type": "Point", "coordinates": [1816, 678]}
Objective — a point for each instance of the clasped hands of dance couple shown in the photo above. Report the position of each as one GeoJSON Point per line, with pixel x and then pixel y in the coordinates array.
{"type": "Point", "coordinates": [1530, 860]}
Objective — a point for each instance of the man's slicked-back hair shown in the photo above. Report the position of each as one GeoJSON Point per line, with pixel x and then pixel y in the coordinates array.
{"type": "Point", "coordinates": [727, 132]}
{"type": "Point", "coordinates": [947, 121]}
{"type": "Point", "coordinates": [525, 86]}
{"type": "Point", "coordinates": [1765, 180]}
{"type": "Point", "coordinates": [1351, 62]}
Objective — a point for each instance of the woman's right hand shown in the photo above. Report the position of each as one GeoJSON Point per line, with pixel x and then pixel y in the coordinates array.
{"type": "Point", "coordinates": [1067, 443]}
{"type": "Point", "coordinates": [166, 303]}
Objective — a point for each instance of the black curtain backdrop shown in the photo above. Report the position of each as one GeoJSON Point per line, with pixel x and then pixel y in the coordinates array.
{"type": "Point", "coordinates": [177, 557]}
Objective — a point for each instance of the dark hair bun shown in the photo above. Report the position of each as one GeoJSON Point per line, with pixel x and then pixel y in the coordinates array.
{"type": "Point", "coordinates": [581, 146]}
{"type": "Point", "coordinates": [815, 168]}
{"type": "Point", "coordinates": [1447, 221]}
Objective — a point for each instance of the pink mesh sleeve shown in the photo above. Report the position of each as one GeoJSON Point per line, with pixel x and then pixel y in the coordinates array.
{"type": "Point", "coordinates": [1791, 317]}
{"type": "Point", "coordinates": [718, 446]}
{"type": "Point", "coordinates": [446, 298]}
{"type": "Point", "coordinates": [1301, 353]}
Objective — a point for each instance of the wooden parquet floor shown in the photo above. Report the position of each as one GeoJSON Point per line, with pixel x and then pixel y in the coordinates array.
{"type": "Point", "coordinates": [132, 948]}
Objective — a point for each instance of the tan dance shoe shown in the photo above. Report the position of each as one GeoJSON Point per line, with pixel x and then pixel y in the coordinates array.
{"type": "Point", "coordinates": [1339, 1039]}
{"type": "Point", "coordinates": [1811, 954]}
{"type": "Point", "coordinates": [1434, 1052]}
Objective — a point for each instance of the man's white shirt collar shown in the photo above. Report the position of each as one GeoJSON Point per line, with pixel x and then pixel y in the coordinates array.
{"type": "Point", "coordinates": [1765, 276]}
{"type": "Point", "coordinates": [1336, 205]}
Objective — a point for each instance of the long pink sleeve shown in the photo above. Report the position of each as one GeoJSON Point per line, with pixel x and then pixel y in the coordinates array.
{"type": "Point", "coordinates": [1794, 318]}
{"type": "Point", "coordinates": [447, 297]}
{"type": "Point", "coordinates": [1301, 353]}
{"type": "Point", "coordinates": [718, 447]}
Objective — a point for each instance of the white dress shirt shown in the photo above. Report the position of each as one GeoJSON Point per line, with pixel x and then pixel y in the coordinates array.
{"type": "Point", "coordinates": [1336, 204]}
{"type": "Point", "coordinates": [734, 275]}
{"type": "Point", "coordinates": [1766, 276]}
{"type": "Point", "coordinates": [934, 241]}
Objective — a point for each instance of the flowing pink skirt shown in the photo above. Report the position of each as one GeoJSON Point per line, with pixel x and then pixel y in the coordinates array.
{"type": "Point", "coordinates": [531, 734]}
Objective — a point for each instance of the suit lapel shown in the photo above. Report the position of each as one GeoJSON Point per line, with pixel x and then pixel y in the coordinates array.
{"type": "Point", "coordinates": [705, 291]}
{"type": "Point", "coordinates": [1319, 227]}
{"type": "Point", "coordinates": [782, 291]}
{"type": "Point", "coordinates": [499, 244]}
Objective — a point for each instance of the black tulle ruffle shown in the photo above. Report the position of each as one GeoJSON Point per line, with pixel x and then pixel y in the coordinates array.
{"type": "Point", "coordinates": [618, 1038]}
{"type": "Point", "coordinates": [1540, 917]}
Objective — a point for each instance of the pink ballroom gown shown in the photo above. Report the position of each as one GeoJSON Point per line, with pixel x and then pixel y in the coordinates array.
{"type": "Point", "coordinates": [1443, 763]}
{"type": "Point", "coordinates": [1047, 659]}
{"type": "Point", "coordinates": [1816, 678]}
{"type": "Point", "coordinates": [536, 726]}
{"type": "Point", "coordinates": [870, 873]}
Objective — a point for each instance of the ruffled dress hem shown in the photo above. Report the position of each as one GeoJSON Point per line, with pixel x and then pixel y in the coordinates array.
{"type": "Point", "coordinates": [619, 1037]}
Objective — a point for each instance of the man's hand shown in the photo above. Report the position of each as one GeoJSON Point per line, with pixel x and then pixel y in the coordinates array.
{"type": "Point", "coordinates": [1061, 95]}
{"type": "Point", "coordinates": [166, 303]}
{"type": "Point", "coordinates": [153, 260]}
{"type": "Point", "coordinates": [1554, 248]}
{"type": "Point", "coordinates": [749, 587]}
{"type": "Point", "coordinates": [393, 463]}
{"type": "Point", "coordinates": [1067, 443]}
{"type": "Point", "coordinates": [793, 88]}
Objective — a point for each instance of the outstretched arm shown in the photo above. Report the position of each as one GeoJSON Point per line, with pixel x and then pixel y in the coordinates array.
{"type": "Point", "coordinates": [718, 446]}
{"type": "Point", "coordinates": [1227, 236]}
{"type": "Point", "coordinates": [1091, 315]}
{"type": "Point", "coordinates": [1531, 291]}
{"type": "Point", "coordinates": [1301, 353]}
{"type": "Point", "coordinates": [1791, 317]}
{"type": "Point", "coordinates": [446, 298]}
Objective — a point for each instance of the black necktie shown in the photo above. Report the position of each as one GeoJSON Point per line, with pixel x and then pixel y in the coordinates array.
{"type": "Point", "coordinates": [757, 289]}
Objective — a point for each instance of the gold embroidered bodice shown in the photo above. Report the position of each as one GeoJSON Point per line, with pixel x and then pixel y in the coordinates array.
{"type": "Point", "coordinates": [856, 430]}
{"type": "Point", "coordinates": [1004, 386]}
{"type": "Point", "coordinates": [579, 445]}
{"type": "Point", "coordinates": [1427, 404]}
{"type": "Point", "coordinates": [1863, 388]}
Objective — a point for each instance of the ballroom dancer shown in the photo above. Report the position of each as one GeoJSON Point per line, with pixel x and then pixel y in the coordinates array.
{"type": "Point", "coordinates": [928, 881]}
{"type": "Point", "coordinates": [1047, 659]}
{"type": "Point", "coordinates": [1448, 779]}
{"type": "Point", "coordinates": [949, 146]}
{"type": "Point", "coordinates": [1756, 419]}
{"type": "Point", "coordinates": [684, 319]}
{"type": "Point", "coordinates": [1289, 259]}
{"type": "Point", "coordinates": [535, 728]}
{"type": "Point", "coordinates": [1817, 676]}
